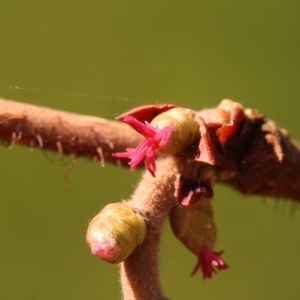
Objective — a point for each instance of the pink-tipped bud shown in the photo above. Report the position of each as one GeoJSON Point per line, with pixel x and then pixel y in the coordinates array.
{"type": "Point", "coordinates": [115, 232]}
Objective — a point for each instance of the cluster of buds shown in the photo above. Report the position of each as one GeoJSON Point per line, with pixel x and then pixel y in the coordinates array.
{"type": "Point", "coordinates": [169, 129]}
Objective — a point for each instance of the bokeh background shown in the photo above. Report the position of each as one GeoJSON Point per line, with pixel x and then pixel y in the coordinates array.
{"type": "Point", "coordinates": [102, 58]}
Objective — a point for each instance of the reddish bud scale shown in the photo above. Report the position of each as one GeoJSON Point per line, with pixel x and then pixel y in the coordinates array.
{"type": "Point", "coordinates": [147, 112]}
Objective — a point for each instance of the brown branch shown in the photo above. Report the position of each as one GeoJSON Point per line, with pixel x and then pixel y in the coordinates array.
{"type": "Point", "coordinates": [269, 167]}
{"type": "Point", "coordinates": [64, 132]}
{"type": "Point", "coordinates": [263, 161]}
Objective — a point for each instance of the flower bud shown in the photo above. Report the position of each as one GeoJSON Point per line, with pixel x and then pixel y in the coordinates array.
{"type": "Point", "coordinates": [251, 113]}
{"type": "Point", "coordinates": [115, 232]}
{"type": "Point", "coordinates": [169, 132]}
{"type": "Point", "coordinates": [194, 226]}
{"type": "Point", "coordinates": [185, 129]}
{"type": "Point", "coordinates": [231, 112]}
{"type": "Point", "coordinates": [196, 229]}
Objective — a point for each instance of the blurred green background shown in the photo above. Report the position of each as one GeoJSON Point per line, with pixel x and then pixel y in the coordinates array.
{"type": "Point", "coordinates": [103, 58]}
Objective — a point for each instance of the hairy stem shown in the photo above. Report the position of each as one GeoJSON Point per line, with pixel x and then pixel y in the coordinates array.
{"type": "Point", "coordinates": [153, 199]}
{"type": "Point", "coordinates": [63, 132]}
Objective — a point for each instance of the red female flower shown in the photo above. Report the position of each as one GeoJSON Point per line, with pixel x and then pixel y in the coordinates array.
{"type": "Point", "coordinates": [170, 132]}
{"type": "Point", "coordinates": [155, 138]}
{"type": "Point", "coordinates": [208, 259]}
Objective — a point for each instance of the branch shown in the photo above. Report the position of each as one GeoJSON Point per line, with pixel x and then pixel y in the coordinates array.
{"type": "Point", "coordinates": [261, 160]}
{"type": "Point", "coordinates": [153, 199]}
{"type": "Point", "coordinates": [269, 167]}
{"type": "Point", "coordinates": [64, 132]}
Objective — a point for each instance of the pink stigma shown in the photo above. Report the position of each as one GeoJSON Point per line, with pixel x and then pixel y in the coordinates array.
{"type": "Point", "coordinates": [208, 259]}
{"type": "Point", "coordinates": [155, 138]}
{"type": "Point", "coordinates": [104, 250]}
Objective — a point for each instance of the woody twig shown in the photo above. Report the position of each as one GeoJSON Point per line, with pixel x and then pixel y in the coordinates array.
{"type": "Point", "coordinates": [228, 144]}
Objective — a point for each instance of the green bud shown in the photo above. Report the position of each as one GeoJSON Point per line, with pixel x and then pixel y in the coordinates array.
{"type": "Point", "coordinates": [185, 128]}
{"type": "Point", "coordinates": [115, 232]}
{"type": "Point", "coordinates": [194, 226]}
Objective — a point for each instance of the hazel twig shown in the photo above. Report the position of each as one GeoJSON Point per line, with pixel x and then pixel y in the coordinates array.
{"type": "Point", "coordinates": [232, 145]}
{"type": "Point", "coordinates": [153, 199]}
{"type": "Point", "coordinates": [64, 132]}
{"type": "Point", "coordinates": [269, 168]}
